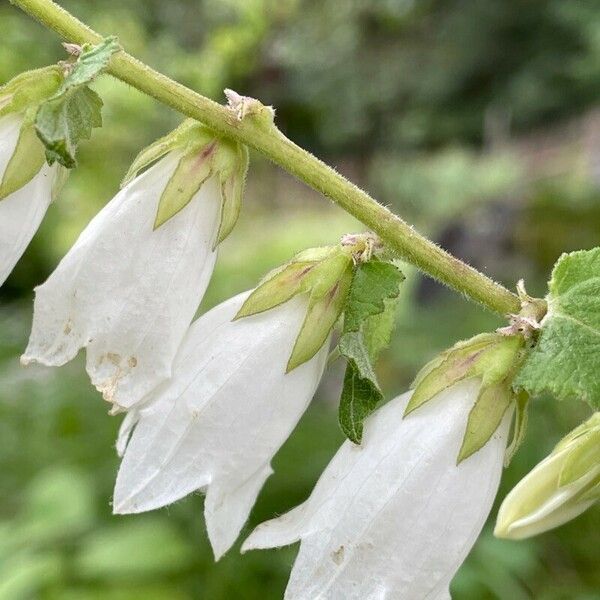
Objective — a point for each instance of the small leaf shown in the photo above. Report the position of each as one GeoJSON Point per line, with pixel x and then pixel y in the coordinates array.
{"type": "Point", "coordinates": [193, 169]}
{"type": "Point", "coordinates": [360, 396]}
{"type": "Point", "coordinates": [63, 121]}
{"type": "Point", "coordinates": [566, 359]}
{"type": "Point", "coordinates": [91, 62]}
{"type": "Point", "coordinates": [377, 330]}
{"type": "Point", "coordinates": [484, 418]}
{"type": "Point", "coordinates": [25, 163]}
{"type": "Point", "coordinates": [374, 281]}
{"type": "Point", "coordinates": [70, 115]}
{"type": "Point", "coordinates": [322, 314]}
{"type": "Point", "coordinates": [368, 322]}
{"type": "Point", "coordinates": [519, 427]}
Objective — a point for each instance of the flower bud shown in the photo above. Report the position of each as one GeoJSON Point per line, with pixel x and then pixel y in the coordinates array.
{"type": "Point", "coordinates": [558, 489]}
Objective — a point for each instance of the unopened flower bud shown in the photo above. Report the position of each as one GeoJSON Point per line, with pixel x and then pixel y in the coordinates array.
{"type": "Point", "coordinates": [558, 489]}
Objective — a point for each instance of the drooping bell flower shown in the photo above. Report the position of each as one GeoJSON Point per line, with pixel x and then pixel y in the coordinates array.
{"type": "Point", "coordinates": [244, 375]}
{"type": "Point", "coordinates": [558, 489]}
{"type": "Point", "coordinates": [130, 286]}
{"type": "Point", "coordinates": [27, 182]}
{"type": "Point", "coordinates": [396, 516]}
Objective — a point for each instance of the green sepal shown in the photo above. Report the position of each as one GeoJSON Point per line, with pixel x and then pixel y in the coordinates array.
{"type": "Point", "coordinates": [324, 309]}
{"type": "Point", "coordinates": [277, 289]}
{"type": "Point", "coordinates": [314, 271]}
{"type": "Point", "coordinates": [519, 427]}
{"type": "Point", "coordinates": [489, 355]}
{"type": "Point", "coordinates": [485, 417]}
{"type": "Point", "coordinates": [232, 183]}
{"type": "Point", "coordinates": [25, 162]}
{"type": "Point", "coordinates": [188, 131]}
{"type": "Point", "coordinates": [192, 170]}
{"type": "Point", "coordinates": [28, 89]}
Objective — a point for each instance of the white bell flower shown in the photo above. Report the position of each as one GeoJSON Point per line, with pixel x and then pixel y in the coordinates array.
{"type": "Point", "coordinates": [396, 516]}
{"type": "Point", "coordinates": [216, 425]}
{"type": "Point", "coordinates": [21, 211]}
{"type": "Point", "coordinates": [127, 291]}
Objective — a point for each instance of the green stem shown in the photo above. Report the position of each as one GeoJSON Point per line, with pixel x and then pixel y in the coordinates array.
{"type": "Point", "coordinates": [395, 233]}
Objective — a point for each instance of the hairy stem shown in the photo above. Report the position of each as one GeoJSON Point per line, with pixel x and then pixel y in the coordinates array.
{"type": "Point", "coordinates": [395, 233]}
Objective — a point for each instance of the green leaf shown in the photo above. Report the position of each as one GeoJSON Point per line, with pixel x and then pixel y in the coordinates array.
{"type": "Point", "coordinates": [91, 62]}
{"type": "Point", "coordinates": [70, 115]}
{"type": "Point", "coordinates": [25, 162]}
{"type": "Point", "coordinates": [360, 393]}
{"type": "Point", "coordinates": [566, 358]}
{"type": "Point", "coordinates": [484, 418]}
{"type": "Point", "coordinates": [66, 119]}
{"type": "Point", "coordinates": [374, 281]}
{"type": "Point", "coordinates": [368, 322]}
{"type": "Point", "coordinates": [360, 397]}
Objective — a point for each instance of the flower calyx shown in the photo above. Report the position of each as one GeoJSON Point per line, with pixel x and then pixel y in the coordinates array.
{"type": "Point", "coordinates": [202, 155]}
{"type": "Point", "coordinates": [494, 358]}
{"type": "Point", "coordinates": [325, 275]}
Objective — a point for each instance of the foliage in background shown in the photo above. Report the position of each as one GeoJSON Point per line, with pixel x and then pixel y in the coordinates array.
{"type": "Point", "coordinates": [425, 103]}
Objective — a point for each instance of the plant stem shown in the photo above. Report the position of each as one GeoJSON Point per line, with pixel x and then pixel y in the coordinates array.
{"type": "Point", "coordinates": [395, 233]}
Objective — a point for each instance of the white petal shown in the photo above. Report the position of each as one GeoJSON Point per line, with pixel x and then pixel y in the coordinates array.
{"type": "Point", "coordinates": [22, 211]}
{"type": "Point", "coordinates": [126, 292]}
{"type": "Point", "coordinates": [395, 517]}
{"type": "Point", "coordinates": [20, 216]}
{"type": "Point", "coordinates": [222, 417]}
{"type": "Point", "coordinates": [10, 128]}
{"type": "Point", "coordinates": [127, 425]}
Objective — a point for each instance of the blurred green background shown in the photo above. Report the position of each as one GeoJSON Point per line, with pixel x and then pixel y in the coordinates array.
{"type": "Point", "coordinates": [477, 121]}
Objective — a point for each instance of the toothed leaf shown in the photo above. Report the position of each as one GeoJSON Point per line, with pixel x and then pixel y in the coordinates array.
{"type": "Point", "coordinates": [62, 122]}
{"type": "Point", "coordinates": [566, 359]}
